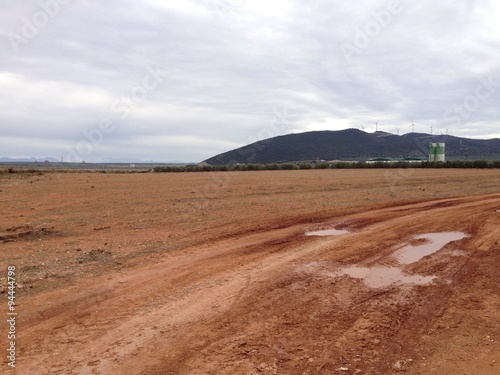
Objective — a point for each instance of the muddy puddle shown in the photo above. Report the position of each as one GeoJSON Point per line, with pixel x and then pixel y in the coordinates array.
{"type": "Point", "coordinates": [327, 232]}
{"type": "Point", "coordinates": [431, 243]}
{"type": "Point", "coordinates": [379, 277]}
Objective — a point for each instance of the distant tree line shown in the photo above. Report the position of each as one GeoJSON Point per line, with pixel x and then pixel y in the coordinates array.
{"type": "Point", "coordinates": [337, 165]}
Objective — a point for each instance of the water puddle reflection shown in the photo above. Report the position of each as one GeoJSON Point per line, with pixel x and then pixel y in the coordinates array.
{"type": "Point", "coordinates": [379, 277]}
{"type": "Point", "coordinates": [432, 242]}
{"type": "Point", "coordinates": [388, 272]}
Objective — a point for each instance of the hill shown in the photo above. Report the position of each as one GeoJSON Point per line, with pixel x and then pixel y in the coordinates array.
{"type": "Point", "coordinates": [354, 144]}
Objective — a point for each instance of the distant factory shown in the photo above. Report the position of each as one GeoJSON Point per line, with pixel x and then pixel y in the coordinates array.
{"type": "Point", "coordinates": [436, 153]}
{"type": "Point", "coordinates": [396, 160]}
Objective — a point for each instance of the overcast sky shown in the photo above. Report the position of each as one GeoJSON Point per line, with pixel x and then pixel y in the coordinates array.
{"type": "Point", "coordinates": [187, 79]}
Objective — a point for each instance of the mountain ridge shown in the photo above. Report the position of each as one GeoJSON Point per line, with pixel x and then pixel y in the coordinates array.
{"type": "Point", "coordinates": [352, 144]}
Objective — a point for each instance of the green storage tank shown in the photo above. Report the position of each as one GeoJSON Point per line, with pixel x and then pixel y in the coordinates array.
{"type": "Point", "coordinates": [437, 152]}
{"type": "Point", "coordinates": [440, 152]}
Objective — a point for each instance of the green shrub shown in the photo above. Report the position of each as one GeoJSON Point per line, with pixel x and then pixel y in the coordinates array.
{"type": "Point", "coordinates": [323, 165]}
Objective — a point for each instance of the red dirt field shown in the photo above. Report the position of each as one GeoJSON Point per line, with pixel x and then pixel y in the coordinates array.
{"type": "Point", "coordinates": [212, 273]}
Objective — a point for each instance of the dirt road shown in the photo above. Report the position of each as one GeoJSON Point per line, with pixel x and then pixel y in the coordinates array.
{"type": "Point", "coordinates": [273, 300]}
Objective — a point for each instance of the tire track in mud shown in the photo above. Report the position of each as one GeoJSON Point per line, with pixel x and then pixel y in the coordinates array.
{"type": "Point", "coordinates": [200, 309]}
{"type": "Point", "coordinates": [422, 318]}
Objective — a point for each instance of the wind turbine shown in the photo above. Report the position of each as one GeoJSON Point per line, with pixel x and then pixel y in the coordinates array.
{"type": "Point", "coordinates": [362, 127]}
{"type": "Point", "coordinates": [431, 128]}
{"type": "Point", "coordinates": [412, 127]}
{"type": "Point", "coordinates": [376, 126]}
{"type": "Point", "coordinates": [397, 130]}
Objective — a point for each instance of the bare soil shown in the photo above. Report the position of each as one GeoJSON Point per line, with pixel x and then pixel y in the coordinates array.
{"type": "Point", "coordinates": [212, 273]}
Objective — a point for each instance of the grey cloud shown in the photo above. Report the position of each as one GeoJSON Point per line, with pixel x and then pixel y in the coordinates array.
{"type": "Point", "coordinates": [229, 66]}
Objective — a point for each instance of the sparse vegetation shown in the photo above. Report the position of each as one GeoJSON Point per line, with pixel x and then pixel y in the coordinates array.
{"type": "Point", "coordinates": [476, 164]}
